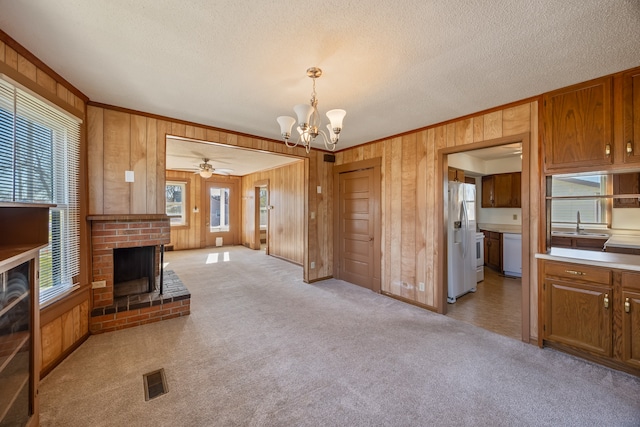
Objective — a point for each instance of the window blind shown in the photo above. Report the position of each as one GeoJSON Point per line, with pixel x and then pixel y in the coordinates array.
{"type": "Point", "coordinates": [40, 153]}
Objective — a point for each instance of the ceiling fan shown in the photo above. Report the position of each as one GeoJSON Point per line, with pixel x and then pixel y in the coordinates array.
{"type": "Point", "coordinates": [206, 169]}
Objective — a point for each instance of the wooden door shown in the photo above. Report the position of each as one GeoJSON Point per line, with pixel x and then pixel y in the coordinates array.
{"type": "Point", "coordinates": [626, 183]}
{"type": "Point", "coordinates": [357, 224]}
{"type": "Point", "coordinates": [516, 190]}
{"type": "Point", "coordinates": [488, 188]}
{"type": "Point", "coordinates": [577, 125]}
{"type": "Point", "coordinates": [222, 215]}
{"type": "Point", "coordinates": [631, 327]}
{"type": "Point", "coordinates": [631, 117]}
{"type": "Point", "coordinates": [503, 190]}
{"type": "Point", "coordinates": [577, 315]}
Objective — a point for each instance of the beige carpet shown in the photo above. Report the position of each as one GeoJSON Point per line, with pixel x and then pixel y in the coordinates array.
{"type": "Point", "coordinates": [261, 348]}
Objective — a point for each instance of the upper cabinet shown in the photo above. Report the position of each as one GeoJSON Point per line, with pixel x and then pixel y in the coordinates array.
{"type": "Point", "coordinates": [593, 126]}
{"type": "Point", "coordinates": [577, 125]}
{"type": "Point", "coordinates": [501, 190]}
{"type": "Point", "coordinates": [629, 141]}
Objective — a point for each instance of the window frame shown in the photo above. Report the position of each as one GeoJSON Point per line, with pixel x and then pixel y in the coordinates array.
{"type": "Point", "coordinates": [184, 203]}
{"type": "Point", "coordinates": [604, 200]}
{"type": "Point", "coordinates": [32, 118]}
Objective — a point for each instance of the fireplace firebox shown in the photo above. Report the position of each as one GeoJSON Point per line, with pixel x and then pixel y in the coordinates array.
{"type": "Point", "coordinates": [133, 271]}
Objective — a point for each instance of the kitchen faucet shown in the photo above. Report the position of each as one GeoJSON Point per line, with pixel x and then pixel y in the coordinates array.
{"type": "Point", "coordinates": [578, 224]}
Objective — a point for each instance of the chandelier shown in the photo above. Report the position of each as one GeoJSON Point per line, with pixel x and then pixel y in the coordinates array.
{"type": "Point", "coordinates": [309, 121]}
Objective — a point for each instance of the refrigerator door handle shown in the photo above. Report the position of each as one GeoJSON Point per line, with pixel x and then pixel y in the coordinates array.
{"type": "Point", "coordinates": [463, 215]}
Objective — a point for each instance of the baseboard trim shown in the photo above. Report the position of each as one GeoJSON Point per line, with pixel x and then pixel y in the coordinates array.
{"type": "Point", "coordinates": [600, 360]}
{"type": "Point", "coordinates": [408, 301]}
{"type": "Point", "coordinates": [320, 279]}
{"type": "Point", "coordinates": [47, 369]}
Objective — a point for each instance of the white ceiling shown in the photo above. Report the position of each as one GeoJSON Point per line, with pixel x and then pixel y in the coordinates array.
{"type": "Point", "coordinates": [393, 65]}
{"type": "Point", "coordinates": [184, 154]}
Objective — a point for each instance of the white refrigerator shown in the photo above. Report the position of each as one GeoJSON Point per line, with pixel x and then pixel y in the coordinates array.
{"type": "Point", "coordinates": [461, 240]}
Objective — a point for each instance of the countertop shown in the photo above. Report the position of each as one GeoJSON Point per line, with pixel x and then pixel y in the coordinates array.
{"type": "Point", "coordinates": [632, 242]}
{"type": "Point", "coordinates": [502, 228]}
{"type": "Point", "coordinates": [595, 258]}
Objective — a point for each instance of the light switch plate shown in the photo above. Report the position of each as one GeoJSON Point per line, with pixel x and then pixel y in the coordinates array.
{"type": "Point", "coordinates": [128, 176]}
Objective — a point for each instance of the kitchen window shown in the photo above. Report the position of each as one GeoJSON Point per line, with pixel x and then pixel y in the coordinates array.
{"type": "Point", "coordinates": [39, 163]}
{"type": "Point", "coordinates": [584, 194]}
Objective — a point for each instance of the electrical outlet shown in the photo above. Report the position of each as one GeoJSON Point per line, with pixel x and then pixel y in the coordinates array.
{"type": "Point", "coordinates": [99, 284]}
{"type": "Point", "coordinates": [421, 286]}
{"type": "Point", "coordinates": [515, 217]}
{"type": "Point", "coordinates": [313, 264]}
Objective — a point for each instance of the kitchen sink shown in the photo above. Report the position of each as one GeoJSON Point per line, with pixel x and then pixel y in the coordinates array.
{"type": "Point", "coordinates": [576, 234]}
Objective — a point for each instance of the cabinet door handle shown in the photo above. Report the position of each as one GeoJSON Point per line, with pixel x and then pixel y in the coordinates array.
{"type": "Point", "coordinates": [627, 305]}
{"type": "Point", "coordinates": [606, 300]}
{"type": "Point", "coordinates": [576, 273]}
{"type": "Point", "coordinates": [607, 150]}
{"type": "Point", "coordinates": [629, 148]}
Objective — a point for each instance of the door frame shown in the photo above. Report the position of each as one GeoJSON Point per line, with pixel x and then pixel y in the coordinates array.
{"type": "Point", "coordinates": [442, 183]}
{"type": "Point", "coordinates": [376, 165]}
{"type": "Point", "coordinates": [233, 183]}
{"type": "Point", "coordinates": [257, 186]}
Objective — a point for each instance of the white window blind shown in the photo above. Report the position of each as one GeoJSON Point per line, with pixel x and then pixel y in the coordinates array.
{"type": "Point", "coordinates": [39, 162]}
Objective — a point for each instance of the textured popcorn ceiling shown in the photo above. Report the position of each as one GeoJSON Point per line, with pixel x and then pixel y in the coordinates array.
{"type": "Point", "coordinates": [393, 65]}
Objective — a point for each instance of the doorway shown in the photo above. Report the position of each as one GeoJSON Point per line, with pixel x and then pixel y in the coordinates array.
{"type": "Point", "coordinates": [222, 218]}
{"type": "Point", "coordinates": [504, 296]}
{"type": "Point", "coordinates": [261, 216]}
{"type": "Point", "coordinates": [357, 224]}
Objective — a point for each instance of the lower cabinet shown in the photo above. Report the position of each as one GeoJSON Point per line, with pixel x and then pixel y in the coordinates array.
{"type": "Point", "coordinates": [631, 319]}
{"type": "Point", "coordinates": [593, 312]}
{"type": "Point", "coordinates": [493, 250]}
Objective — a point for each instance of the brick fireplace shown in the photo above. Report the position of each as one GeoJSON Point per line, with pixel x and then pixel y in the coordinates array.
{"type": "Point", "coordinates": [136, 242]}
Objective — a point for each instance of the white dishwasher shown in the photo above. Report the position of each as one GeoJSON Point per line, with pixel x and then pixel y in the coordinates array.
{"type": "Point", "coordinates": [512, 254]}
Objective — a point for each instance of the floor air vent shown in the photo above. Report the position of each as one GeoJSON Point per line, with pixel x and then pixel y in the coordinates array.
{"type": "Point", "coordinates": [155, 384]}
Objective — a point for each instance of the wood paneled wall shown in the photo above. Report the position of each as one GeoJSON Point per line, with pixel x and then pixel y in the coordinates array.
{"type": "Point", "coordinates": [192, 235]}
{"type": "Point", "coordinates": [64, 324]}
{"type": "Point", "coordinates": [286, 219]}
{"type": "Point", "coordinates": [121, 140]}
{"type": "Point", "coordinates": [409, 192]}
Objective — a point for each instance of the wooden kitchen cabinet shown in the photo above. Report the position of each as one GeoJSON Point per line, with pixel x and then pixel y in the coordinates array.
{"type": "Point", "coordinates": [493, 250]}
{"type": "Point", "coordinates": [585, 243]}
{"type": "Point", "coordinates": [456, 175]}
{"type": "Point", "coordinates": [629, 148]}
{"type": "Point", "coordinates": [592, 312]}
{"type": "Point", "coordinates": [579, 303]}
{"type": "Point", "coordinates": [631, 319]}
{"type": "Point", "coordinates": [626, 183]}
{"type": "Point", "coordinates": [577, 126]}
{"type": "Point", "coordinates": [501, 190]}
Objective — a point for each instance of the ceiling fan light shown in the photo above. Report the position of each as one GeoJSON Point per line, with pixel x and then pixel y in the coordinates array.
{"type": "Point", "coordinates": [336, 117]}
{"type": "Point", "coordinates": [206, 173]}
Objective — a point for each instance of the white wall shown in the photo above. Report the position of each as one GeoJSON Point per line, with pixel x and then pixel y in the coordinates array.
{"type": "Point", "coordinates": [475, 166]}
{"type": "Point", "coordinates": [625, 219]}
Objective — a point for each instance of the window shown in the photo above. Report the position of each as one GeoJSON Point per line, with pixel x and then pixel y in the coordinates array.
{"type": "Point", "coordinates": [177, 202]}
{"type": "Point", "coordinates": [39, 163]}
{"type": "Point", "coordinates": [263, 209]}
{"type": "Point", "coordinates": [219, 209]}
{"type": "Point", "coordinates": [593, 210]}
